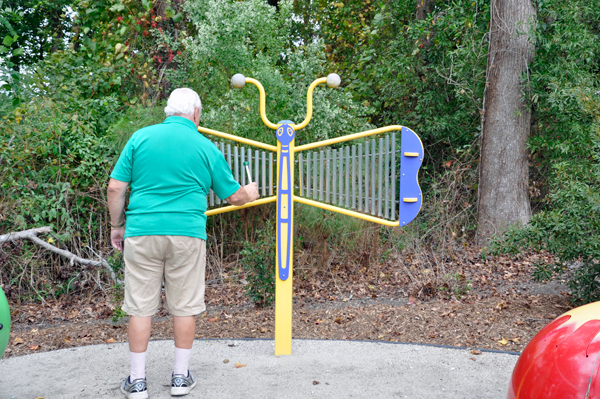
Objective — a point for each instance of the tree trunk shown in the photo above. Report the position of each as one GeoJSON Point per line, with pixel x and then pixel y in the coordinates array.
{"type": "Point", "coordinates": [424, 8]}
{"type": "Point", "coordinates": [503, 197]}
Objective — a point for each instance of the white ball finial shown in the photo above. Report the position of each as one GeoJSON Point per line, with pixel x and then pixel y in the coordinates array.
{"type": "Point", "coordinates": [238, 80]}
{"type": "Point", "coordinates": [333, 80]}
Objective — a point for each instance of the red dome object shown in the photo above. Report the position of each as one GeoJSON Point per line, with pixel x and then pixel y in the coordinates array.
{"type": "Point", "coordinates": [561, 361]}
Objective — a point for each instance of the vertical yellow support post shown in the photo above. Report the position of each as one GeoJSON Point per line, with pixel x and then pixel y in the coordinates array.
{"type": "Point", "coordinates": [285, 248]}
{"type": "Point", "coordinates": [286, 133]}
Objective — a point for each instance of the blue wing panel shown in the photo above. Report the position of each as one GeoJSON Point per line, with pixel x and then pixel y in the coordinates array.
{"type": "Point", "coordinates": [411, 158]}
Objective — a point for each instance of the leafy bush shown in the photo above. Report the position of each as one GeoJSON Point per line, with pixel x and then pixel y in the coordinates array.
{"type": "Point", "coordinates": [571, 231]}
{"type": "Point", "coordinates": [258, 259]}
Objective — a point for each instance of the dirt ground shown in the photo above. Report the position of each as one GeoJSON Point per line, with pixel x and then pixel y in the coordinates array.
{"type": "Point", "coordinates": [468, 301]}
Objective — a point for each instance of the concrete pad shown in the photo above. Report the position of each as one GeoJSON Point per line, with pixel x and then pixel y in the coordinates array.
{"type": "Point", "coordinates": [316, 369]}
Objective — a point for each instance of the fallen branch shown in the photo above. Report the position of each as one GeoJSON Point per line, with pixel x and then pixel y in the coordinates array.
{"type": "Point", "coordinates": [32, 235]}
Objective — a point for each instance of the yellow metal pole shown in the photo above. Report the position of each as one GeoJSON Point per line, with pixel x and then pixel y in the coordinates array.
{"type": "Point", "coordinates": [263, 100]}
{"type": "Point", "coordinates": [347, 212]}
{"type": "Point", "coordinates": [349, 137]}
{"type": "Point", "coordinates": [309, 103]}
{"type": "Point", "coordinates": [230, 208]}
{"type": "Point", "coordinates": [237, 138]}
{"type": "Point", "coordinates": [284, 289]}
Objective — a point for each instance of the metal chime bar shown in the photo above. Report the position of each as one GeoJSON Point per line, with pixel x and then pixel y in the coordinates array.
{"type": "Point", "coordinates": [386, 175]}
{"type": "Point", "coordinates": [315, 168]}
{"type": "Point", "coordinates": [308, 166]}
{"type": "Point", "coordinates": [256, 165]}
{"type": "Point", "coordinates": [270, 173]}
{"type": "Point", "coordinates": [341, 177]}
{"type": "Point", "coordinates": [373, 176]}
{"type": "Point", "coordinates": [301, 174]}
{"type": "Point", "coordinates": [327, 175]}
{"type": "Point", "coordinates": [353, 206]}
{"type": "Point", "coordinates": [360, 171]}
{"type": "Point", "coordinates": [321, 173]}
{"type": "Point", "coordinates": [380, 180]}
{"type": "Point", "coordinates": [367, 181]}
{"type": "Point", "coordinates": [264, 174]}
{"type": "Point", "coordinates": [393, 177]}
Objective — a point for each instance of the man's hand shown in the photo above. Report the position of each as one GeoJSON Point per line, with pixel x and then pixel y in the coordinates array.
{"type": "Point", "coordinates": [117, 237]}
{"type": "Point", "coordinates": [252, 190]}
{"type": "Point", "coordinates": [245, 194]}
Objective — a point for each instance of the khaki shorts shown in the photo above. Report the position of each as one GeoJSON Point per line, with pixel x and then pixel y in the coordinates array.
{"type": "Point", "coordinates": [178, 260]}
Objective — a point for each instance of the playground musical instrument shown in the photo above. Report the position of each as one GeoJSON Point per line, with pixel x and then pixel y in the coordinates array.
{"type": "Point", "coordinates": [410, 196]}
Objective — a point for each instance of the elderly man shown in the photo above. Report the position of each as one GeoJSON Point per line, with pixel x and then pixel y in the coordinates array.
{"type": "Point", "coordinates": [171, 167]}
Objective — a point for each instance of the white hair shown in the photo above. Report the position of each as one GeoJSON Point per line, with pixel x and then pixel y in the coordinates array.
{"type": "Point", "coordinates": [183, 102]}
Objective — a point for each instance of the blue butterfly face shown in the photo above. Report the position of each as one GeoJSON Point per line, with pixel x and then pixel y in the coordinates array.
{"type": "Point", "coordinates": [285, 134]}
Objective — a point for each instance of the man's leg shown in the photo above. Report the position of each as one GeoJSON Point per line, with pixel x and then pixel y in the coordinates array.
{"type": "Point", "coordinates": [184, 291]}
{"type": "Point", "coordinates": [184, 328]}
{"type": "Point", "coordinates": [144, 267]}
{"type": "Point", "coordinates": [139, 334]}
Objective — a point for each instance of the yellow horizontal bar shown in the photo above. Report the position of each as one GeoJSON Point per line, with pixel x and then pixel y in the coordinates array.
{"type": "Point", "coordinates": [349, 137]}
{"type": "Point", "coordinates": [237, 138]}
{"type": "Point", "coordinates": [411, 154]}
{"type": "Point", "coordinates": [347, 212]}
{"type": "Point", "coordinates": [230, 208]}
{"type": "Point", "coordinates": [409, 199]}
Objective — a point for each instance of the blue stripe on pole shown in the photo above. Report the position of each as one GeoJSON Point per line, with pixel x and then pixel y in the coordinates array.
{"type": "Point", "coordinates": [285, 135]}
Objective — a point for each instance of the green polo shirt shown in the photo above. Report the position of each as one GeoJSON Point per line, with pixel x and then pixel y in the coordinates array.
{"type": "Point", "coordinates": [171, 167]}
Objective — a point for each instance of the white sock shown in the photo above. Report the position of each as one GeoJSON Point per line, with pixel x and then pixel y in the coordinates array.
{"type": "Point", "coordinates": [182, 359]}
{"type": "Point", "coordinates": [138, 365]}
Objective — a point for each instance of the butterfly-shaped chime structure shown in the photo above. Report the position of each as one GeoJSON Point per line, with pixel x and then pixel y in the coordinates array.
{"type": "Point", "coordinates": [357, 180]}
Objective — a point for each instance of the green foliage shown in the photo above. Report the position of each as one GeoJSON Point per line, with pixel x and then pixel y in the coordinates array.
{"type": "Point", "coordinates": [118, 315]}
{"type": "Point", "coordinates": [253, 39]}
{"type": "Point", "coordinates": [426, 73]}
{"type": "Point", "coordinates": [37, 26]}
{"type": "Point", "coordinates": [328, 228]}
{"type": "Point", "coordinates": [97, 48]}
{"type": "Point", "coordinates": [456, 285]}
{"type": "Point", "coordinates": [258, 259]}
{"type": "Point", "coordinates": [570, 230]}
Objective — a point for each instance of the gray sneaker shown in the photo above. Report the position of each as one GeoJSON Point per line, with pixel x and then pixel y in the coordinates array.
{"type": "Point", "coordinates": [135, 389]}
{"type": "Point", "coordinates": [181, 384]}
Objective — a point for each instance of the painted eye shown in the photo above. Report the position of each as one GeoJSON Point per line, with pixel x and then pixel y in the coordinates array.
{"type": "Point", "coordinates": [290, 131]}
{"type": "Point", "coordinates": [280, 131]}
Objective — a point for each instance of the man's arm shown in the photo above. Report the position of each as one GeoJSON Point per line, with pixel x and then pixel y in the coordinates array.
{"type": "Point", "coordinates": [245, 194]}
{"type": "Point", "coordinates": [116, 206]}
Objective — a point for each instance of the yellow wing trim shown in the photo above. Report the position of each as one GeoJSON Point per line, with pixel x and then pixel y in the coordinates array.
{"type": "Point", "coordinates": [230, 208]}
{"type": "Point", "coordinates": [347, 212]}
{"type": "Point", "coordinates": [237, 138]}
{"type": "Point", "coordinates": [354, 136]}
